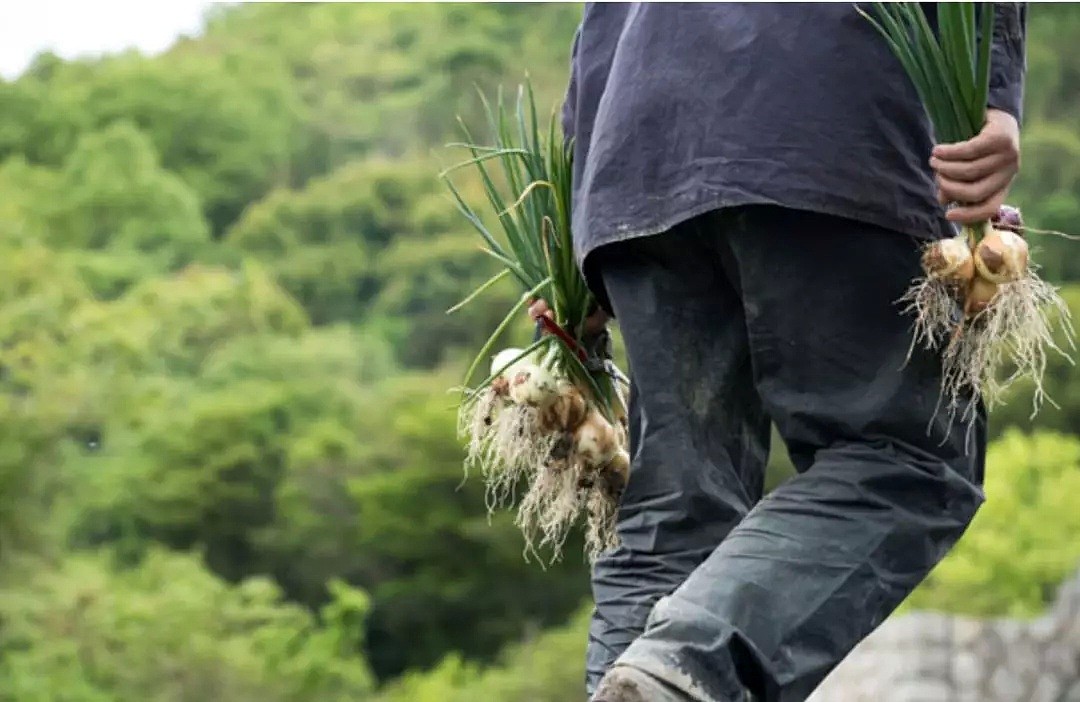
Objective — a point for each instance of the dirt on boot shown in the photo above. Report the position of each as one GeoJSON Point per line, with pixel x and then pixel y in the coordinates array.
{"type": "Point", "coordinates": [618, 690]}
{"type": "Point", "coordinates": [628, 684]}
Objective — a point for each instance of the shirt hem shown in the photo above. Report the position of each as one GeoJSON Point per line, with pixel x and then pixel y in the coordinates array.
{"type": "Point", "coordinates": [934, 229]}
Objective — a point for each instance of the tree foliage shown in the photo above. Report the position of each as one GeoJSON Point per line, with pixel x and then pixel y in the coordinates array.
{"type": "Point", "coordinates": [168, 631]}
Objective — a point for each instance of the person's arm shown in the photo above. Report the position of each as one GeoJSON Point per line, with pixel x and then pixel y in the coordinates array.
{"type": "Point", "coordinates": [1008, 61]}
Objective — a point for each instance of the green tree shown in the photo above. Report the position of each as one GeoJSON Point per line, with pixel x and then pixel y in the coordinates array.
{"type": "Point", "coordinates": [224, 122]}
{"type": "Point", "coordinates": [30, 124]}
{"type": "Point", "coordinates": [39, 297]}
{"type": "Point", "coordinates": [168, 631]}
{"type": "Point", "coordinates": [120, 215]}
{"type": "Point", "coordinates": [418, 282]}
{"type": "Point", "coordinates": [172, 324]}
{"type": "Point", "coordinates": [110, 209]}
{"type": "Point", "coordinates": [323, 241]}
{"type": "Point", "coordinates": [549, 667]}
{"type": "Point", "coordinates": [386, 79]}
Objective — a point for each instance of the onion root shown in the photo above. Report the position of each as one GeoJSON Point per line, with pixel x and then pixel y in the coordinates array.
{"type": "Point", "coordinates": [532, 430]}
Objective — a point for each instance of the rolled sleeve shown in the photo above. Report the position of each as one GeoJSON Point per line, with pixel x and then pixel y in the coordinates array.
{"type": "Point", "coordinates": [1008, 61]}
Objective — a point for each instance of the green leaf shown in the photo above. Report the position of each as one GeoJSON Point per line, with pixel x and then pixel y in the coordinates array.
{"type": "Point", "coordinates": [480, 290]}
{"type": "Point", "coordinates": [947, 77]}
{"type": "Point", "coordinates": [982, 69]}
{"type": "Point", "coordinates": [473, 219]}
{"type": "Point", "coordinates": [897, 33]}
{"type": "Point", "coordinates": [959, 59]}
{"type": "Point", "coordinates": [944, 68]}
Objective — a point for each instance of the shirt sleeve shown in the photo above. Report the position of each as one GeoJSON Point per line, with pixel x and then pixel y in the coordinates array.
{"type": "Point", "coordinates": [1008, 62]}
{"type": "Point", "coordinates": [569, 106]}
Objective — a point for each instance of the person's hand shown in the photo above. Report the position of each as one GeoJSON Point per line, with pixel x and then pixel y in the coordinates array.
{"type": "Point", "coordinates": [976, 174]}
{"type": "Point", "coordinates": [594, 323]}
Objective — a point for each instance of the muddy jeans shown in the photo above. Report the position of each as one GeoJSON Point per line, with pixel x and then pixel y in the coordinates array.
{"type": "Point", "coordinates": [730, 321]}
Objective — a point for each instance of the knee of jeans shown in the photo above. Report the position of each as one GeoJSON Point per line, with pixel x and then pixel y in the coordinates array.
{"type": "Point", "coordinates": [670, 608]}
{"type": "Point", "coordinates": [658, 611]}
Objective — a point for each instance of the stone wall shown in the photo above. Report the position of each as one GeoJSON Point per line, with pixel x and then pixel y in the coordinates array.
{"type": "Point", "coordinates": [934, 658]}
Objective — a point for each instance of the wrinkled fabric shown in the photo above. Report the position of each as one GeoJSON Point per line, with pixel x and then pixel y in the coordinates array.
{"type": "Point", "coordinates": [731, 320]}
{"type": "Point", "coordinates": [681, 108]}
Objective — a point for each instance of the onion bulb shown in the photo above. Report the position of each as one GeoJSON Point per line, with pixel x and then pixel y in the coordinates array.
{"type": "Point", "coordinates": [614, 476]}
{"type": "Point", "coordinates": [1008, 217]}
{"type": "Point", "coordinates": [949, 260]}
{"type": "Point", "coordinates": [595, 441]}
{"type": "Point", "coordinates": [619, 466]}
{"type": "Point", "coordinates": [1002, 256]}
{"type": "Point", "coordinates": [980, 295]}
{"type": "Point", "coordinates": [523, 379]}
{"type": "Point", "coordinates": [501, 362]}
{"type": "Point", "coordinates": [567, 410]}
{"type": "Point", "coordinates": [532, 385]}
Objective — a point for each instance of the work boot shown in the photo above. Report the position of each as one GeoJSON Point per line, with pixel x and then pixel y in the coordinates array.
{"type": "Point", "coordinates": [625, 684]}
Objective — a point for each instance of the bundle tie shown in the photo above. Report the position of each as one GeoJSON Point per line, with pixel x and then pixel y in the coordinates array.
{"type": "Point", "coordinates": [545, 324]}
{"type": "Point", "coordinates": [593, 362]}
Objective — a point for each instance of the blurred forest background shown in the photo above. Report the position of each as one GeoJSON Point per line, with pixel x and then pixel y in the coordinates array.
{"type": "Point", "coordinates": [228, 463]}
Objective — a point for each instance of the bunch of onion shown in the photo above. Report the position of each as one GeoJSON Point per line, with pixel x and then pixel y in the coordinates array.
{"type": "Point", "coordinates": [551, 415]}
{"type": "Point", "coordinates": [980, 302]}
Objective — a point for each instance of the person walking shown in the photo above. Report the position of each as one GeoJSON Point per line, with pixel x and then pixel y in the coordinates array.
{"type": "Point", "coordinates": [753, 184]}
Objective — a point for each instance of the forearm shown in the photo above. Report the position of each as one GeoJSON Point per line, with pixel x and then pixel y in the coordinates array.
{"type": "Point", "coordinates": [1008, 61]}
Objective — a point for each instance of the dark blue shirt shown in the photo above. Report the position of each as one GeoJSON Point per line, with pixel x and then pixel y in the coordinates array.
{"type": "Point", "coordinates": [681, 108]}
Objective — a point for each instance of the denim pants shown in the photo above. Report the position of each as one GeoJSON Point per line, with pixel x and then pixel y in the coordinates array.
{"type": "Point", "coordinates": [731, 321]}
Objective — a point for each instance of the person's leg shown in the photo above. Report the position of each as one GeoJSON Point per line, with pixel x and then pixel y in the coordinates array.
{"type": "Point", "coordinates": [699, 437]}
{"type": "Point", "coordinates": [827, 556]}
